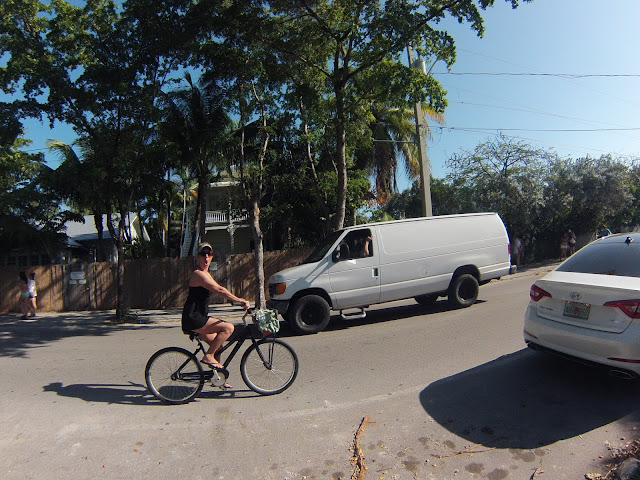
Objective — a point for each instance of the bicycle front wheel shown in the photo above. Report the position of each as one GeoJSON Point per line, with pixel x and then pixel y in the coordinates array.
{"type": "Point", "coordinates": [174, 375]}
{"type": "Point", "coordinates": [268, 367]}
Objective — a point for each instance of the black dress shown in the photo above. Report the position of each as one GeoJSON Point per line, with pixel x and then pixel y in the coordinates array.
{"type": "Point", "coordinates": [196, 309]}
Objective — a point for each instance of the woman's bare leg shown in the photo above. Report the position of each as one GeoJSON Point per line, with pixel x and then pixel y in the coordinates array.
{"type": "Point", "coordinates": [214, 333]}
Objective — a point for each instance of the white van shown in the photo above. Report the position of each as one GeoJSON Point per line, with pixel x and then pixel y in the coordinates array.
{"type": "Point", "coordinates": [421, 258]}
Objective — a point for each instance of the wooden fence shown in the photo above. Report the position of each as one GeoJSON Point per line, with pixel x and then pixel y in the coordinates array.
{"type": "Point", "coordinates": [156, 283]}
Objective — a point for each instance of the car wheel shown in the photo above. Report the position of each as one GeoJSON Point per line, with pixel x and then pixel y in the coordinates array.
{"type": "Point", "coordinates": [463, 291]}
{"type": "Point", "coordinates": [310, 314]}
{"type": "Point", "coordinates": [427, 299]}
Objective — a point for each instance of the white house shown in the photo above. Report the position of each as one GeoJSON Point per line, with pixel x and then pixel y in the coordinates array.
{"type": "Point", "coordinates": [83, 237]}
{"type": "Point", "coordinates": [226, 228]}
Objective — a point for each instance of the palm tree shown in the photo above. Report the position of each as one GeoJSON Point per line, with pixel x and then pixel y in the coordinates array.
{"type": "Point", "coordinates": [80, 195]}
{"type": "Point", "coordinates": [395, 141]}
{"type": "Point", "coordinates": [197, 123]}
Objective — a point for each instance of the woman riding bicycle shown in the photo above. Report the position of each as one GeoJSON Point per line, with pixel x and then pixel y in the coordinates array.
{"type": "Point", "coordinates": [195, 314]}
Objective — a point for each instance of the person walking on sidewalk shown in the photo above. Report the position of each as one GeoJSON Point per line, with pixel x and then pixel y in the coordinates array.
{"type": "Point", "coordinates": [23, 301]}
{"type": "Point", "coordinates": [195, 314]}
{"type": "Point", "coordinates": [33, 294]}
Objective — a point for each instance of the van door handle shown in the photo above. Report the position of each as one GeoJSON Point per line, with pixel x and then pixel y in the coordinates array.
{"type": "Point", "coordinates": [375, 272]}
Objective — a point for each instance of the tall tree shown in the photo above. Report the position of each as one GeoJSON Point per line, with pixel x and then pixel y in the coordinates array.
{"type": "Point", "coordinates": [80, 196]}
{"type": "Point", "coordinates": [503, 175]}
{"type": "Point", "coordinates": [31, 220]}
{"type": "Point", "coordinates": [587, 192]}
{"type": "Point", "coordinates": [355, 46]}
{"type": "Point", "coordinates": [100, 70]}
{"type": "Point", "coordinates": [196, 122]}
{"type": "Point", "coordinates": [394, 144]}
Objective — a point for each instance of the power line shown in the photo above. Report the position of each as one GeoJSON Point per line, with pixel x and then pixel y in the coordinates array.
{"type": "Point", "coordinates": [540, 129]}
{"type": "Point", "coordinates": [531, 74]}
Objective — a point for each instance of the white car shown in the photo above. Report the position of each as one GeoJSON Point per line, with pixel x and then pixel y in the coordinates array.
{"type": "Point", "coordinates": [588, 308]}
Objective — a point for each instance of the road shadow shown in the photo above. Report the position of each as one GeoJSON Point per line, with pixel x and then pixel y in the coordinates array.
{"type": "Point", "coordinates": [377, 315]}
{"type": "Point", "coordinates": [18, 336]}
{"type": "Point", "coordinates": [527, 400]}
{"type": "Point", "coordinates": [132, 393]}
{"type": "Point", "coordinates": [390, 313]}
{"type": "Point", "coordinates": [121, 394]}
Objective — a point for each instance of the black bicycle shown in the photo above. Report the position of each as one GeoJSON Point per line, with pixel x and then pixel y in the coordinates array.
{"type": "Point", "coordinates": [268, 366]}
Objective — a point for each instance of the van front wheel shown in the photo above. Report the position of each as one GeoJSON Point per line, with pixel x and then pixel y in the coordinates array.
{"type": "Point", "coordinates": [463, 291]}
{"type": "Point", "coordinates": [310, 314]}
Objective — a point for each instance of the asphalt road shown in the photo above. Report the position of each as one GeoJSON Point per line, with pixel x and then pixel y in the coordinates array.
{"type": "Point", "coordinates": [446, 394]}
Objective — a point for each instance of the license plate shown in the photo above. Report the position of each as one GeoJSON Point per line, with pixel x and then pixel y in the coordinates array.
{"type": "Point", "coordinates": [577, 310]}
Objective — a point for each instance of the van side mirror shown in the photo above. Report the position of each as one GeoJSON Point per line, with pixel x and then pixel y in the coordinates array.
{"type": "Point", "coordinates": [341, 253]}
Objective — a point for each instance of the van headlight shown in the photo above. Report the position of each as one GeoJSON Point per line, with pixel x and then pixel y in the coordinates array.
{"type": "Point", "coordinates": [281, 288]}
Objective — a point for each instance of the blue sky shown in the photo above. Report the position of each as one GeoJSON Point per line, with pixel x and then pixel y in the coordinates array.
{"type": "Point", "coordinates": [583, 99]}
{"type": "Point", "coordinates": [585, 115]}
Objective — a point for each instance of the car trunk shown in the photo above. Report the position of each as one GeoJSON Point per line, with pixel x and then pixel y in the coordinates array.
{"type": "Point", "coordinates": [578, 299]}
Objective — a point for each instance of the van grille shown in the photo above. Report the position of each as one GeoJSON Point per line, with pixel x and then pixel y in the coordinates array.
{"type": "Point", "coordinates": [272, 290]}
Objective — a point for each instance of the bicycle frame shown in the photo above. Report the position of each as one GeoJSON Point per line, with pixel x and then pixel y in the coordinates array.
{"type": "Point", "coordinates": [268, 366]}
{"type": "Point", "coordinates": [237, 339]}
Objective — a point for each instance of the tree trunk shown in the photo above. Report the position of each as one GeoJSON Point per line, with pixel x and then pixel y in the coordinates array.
{"type": "Point", "coordinates": [203, 188]}
{"type": "Point", "coordinates": [341, 159]}
{"type": "Point", "coordinates": [199, 214]}
{"type": "Point", "coordinates": [259, 253]}
{"type": "Point", "coordinates": [118, 240]}
{"type": "Point", "coordinates": [321, 195]}
{"type": "Point", "coordinates": [97, 220]}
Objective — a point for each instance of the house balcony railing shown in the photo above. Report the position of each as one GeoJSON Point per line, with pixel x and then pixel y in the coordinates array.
{"type": "Point", "coordinates": [221, 217]}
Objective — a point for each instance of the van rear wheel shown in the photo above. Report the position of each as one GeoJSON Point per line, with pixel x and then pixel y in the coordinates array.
{"type": "Point", "coordinates": [463, 291]}
{"type": "Point", "coordinates": [310, 314]}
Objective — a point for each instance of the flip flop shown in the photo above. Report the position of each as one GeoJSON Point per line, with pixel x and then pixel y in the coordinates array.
{"type": "Point", "coordinates": [215, 366]}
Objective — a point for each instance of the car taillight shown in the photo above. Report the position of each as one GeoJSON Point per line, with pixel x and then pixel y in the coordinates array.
{"type": "Point", "coordinates": [630, 308]}
{"type": "Point", "coordinates": [536, 293]}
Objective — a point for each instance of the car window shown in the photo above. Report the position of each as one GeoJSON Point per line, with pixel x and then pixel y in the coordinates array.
{"type": "Point", "coordinates": [606, 258]}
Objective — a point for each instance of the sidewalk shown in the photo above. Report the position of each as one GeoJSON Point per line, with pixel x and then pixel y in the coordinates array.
{"type": "Point", "coordinates": [173, 315]}
{"type": "Point", "coordinates": [136, 316]}
{"type": "Point", "coordinates": [539, 268]}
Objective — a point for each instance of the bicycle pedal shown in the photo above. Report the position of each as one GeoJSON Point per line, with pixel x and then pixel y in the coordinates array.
{"type": "Point", "coordinates": [219, 378]}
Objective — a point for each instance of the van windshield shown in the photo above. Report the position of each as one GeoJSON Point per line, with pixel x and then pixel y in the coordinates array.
{"type": "Point", "coordinates": [322, 249]}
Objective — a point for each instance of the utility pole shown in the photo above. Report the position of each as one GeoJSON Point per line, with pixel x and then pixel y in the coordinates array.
{"type": "Point", "coordinates": [421, 127]}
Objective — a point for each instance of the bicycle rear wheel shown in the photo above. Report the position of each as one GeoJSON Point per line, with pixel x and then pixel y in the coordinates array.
{"type": "Point", "coordinates": [269, 367]}
{"type": "Point", "coordinates": [174, 375]}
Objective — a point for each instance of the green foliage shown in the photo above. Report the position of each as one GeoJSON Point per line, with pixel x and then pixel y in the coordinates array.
{"type": "Point", "coordinates": [31, 218]}
{"type": "Point", "coordinates": [144, 249]}
{"type": "Point", "coordinates": [537, 194]}
{"type": "Point", "coordinates": [310, 85]}
{"type": "Point", "coordinates": [349, 54]}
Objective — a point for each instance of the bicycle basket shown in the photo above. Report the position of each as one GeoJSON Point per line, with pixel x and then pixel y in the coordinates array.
{"type": "Point", "coordinates": [266, 320]}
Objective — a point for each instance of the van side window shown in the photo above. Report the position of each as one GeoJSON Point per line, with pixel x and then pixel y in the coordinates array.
{"type": "Point", "coordinates": [360, 244]}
